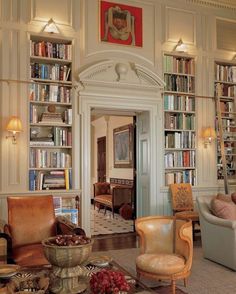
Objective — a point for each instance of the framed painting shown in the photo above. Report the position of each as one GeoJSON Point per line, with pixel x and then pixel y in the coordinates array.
{"type": "Point", "coordinates": [123, 146]}
{"type": "Point", "coordinates": [121, 24]}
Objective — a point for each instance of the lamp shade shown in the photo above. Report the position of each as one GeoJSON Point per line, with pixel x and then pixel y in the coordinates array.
{"type": "Point", "coordinates": [209, 134]}
{"type": "Point", "coordinates": [14, 125]}
{"type": "Point", "coordinates": [51, 27]}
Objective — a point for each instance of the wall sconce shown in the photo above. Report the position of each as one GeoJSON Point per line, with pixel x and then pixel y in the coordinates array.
{"type": "Point", "coordinates": [208, 134]}
{"type": "Point", "coordinates": [15, 126]}
{"type": "Point", "coordinates": [180, 46]}
{"type": "Point", "coordinates": [51, 27]}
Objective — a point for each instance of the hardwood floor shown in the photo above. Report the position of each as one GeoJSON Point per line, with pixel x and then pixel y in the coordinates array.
{"type": "Point", "coordinates": [123, 241]}
{"type": "Point", "coordinates": [115, 241]}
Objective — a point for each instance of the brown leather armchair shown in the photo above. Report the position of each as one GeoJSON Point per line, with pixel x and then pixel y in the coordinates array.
{"type": "Point", "coordinates": [166, 248]}
{"type": "Point", "coordinates": [112, 196]}
{"type": "Point", "coordinates": [30, 220]}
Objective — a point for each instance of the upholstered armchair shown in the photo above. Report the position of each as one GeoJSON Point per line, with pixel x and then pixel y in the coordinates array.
{"type": "Point", "coordinates": [218, 235]}
{"type": "Point", "coordinates": [182, 203]}
{"type": "Point", "coordinates": [112, 196]}
{"type": "Point", "coordinates": [30, 220]}
{"type": "Point", "coordinates": [166, 248]}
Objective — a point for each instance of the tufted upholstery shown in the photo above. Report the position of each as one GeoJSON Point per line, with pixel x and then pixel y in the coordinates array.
{"type": "Point", "coordinates": [182, 203]}
{"type": "Point", "coordinates": [166, 248]}
{"type": "Point", "coordinates": [113, 196]}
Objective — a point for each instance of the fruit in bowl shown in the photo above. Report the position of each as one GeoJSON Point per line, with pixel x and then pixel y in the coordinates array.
{"type": "Point", "coordinates": [67, 250]}
{"type": "Point", "coordinates": [108, 282]}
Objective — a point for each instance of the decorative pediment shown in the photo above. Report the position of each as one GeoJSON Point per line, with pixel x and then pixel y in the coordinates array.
{"type": "Point", "coordinates": [118, 73]}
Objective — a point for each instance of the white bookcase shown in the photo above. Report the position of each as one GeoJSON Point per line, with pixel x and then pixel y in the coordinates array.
{"type": "Point", "coordinates": [179, 119]}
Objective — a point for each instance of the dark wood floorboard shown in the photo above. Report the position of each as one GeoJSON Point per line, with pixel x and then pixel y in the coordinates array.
{"type": "Point", "coordinates": [115, 241]}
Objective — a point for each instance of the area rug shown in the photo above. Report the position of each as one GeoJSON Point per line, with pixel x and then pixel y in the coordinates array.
{"type": "Point", "coordinates": [206, 277]}
{"type": "Point", "coordinates": [167, 290]}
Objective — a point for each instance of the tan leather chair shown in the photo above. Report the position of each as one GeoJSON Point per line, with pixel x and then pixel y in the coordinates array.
{"type": "Point", "coordinates": [182, 203]}
{"type": "Point", "coordinates": [166, 248]}
{"type": "Point", "coordinates": [30, 220]}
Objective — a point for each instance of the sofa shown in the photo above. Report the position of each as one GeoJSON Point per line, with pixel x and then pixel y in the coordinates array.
{"type": "Point", "coordinates": [218, 234]}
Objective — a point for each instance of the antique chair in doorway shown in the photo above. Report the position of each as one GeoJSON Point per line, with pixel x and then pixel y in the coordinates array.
{"type": "Point", "coordinates": [182, 204]}
{"type": "Point", "coordinates": [166, 248]}
{"type": "Point", "coordinates": [30, 220]}
{"type": "Point", "coordinates": [112, 196]}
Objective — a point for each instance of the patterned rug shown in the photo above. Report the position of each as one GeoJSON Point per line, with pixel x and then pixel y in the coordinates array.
{"type": "Point", "coordinates": [167, 290]}
{"type": "Point", "coordinates": [105, 224]}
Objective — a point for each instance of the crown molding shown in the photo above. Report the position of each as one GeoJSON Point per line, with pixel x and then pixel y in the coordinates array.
{"type": "Point", "coordinates": [227, 4]}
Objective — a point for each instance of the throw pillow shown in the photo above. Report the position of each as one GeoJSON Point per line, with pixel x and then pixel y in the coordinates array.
{"type": "Point", "coordinates": [223, 197]}
{"type": "Point", "coordinates": [233, 197]}
{"type": "Point", "coordinates": [223, 209]}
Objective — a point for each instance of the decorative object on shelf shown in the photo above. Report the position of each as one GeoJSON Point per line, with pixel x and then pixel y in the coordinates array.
{"type": "Point", "coordinates": [180, 46]}
{"type": "Point", "coordinates": [208, 134]}
{"type": "Point", "coordinates": [51, 27]}
{"type": "Point", "coordinates": [121, 24]}
{"type": "Point", "coordinates": [123, 146]}
{"type": "Point", "coordinates": [14, 126]}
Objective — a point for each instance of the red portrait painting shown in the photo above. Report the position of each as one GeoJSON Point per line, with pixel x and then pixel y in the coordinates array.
{"type": "Point", "coordinates": [121, 24]}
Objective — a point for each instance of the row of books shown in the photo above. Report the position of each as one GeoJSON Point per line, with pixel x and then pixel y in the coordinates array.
{"type": "Point", "coordinates": [41, 158]}
{"type": "Point", "coordinates": [176, 102]}
{"type": "Point", "coordinates": [180, 159]}
{"type": "Point", "coordinates": [225, 73]}
{"type": "Point", "coordinates": [226, 106]}
{"type": "Point", "coordinates": [54, 72]}
{"type": "Point", "coordinates": [60, 137]}
{"type": "Point", "coordinates": [50, 180]}
{"type": "Point", "coordinates": [50, 50]}
{"type": "Point", "coordinates": [179, 83]}
{"type": "Point", "coordinates": [186, 176]}
{"type": "Point", "coordinates": [179, 121]}
{"type": "Point", "coordinates": [179, 64]}
{"type": "Point", "coordinates": [227, 90]}
{"type": "Point", "coordinates": [180, 140]}
{"type": "Point", "coordinates": [50, 93]}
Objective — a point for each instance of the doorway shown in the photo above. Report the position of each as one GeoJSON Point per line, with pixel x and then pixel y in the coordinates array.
{"type": "Point", "coordinates": [105, 125]}
{"type": "Point", "coordinates": [131, 87]}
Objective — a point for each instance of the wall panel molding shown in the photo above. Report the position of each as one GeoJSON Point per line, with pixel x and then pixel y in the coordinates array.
{"type": "Point", "coordinates": [230, 4]}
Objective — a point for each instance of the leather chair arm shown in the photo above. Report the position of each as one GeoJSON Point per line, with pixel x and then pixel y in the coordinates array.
{"type": "Point", "coordinates": [9, 247]}
{"type": "Point", "coordinates": [66, 227]}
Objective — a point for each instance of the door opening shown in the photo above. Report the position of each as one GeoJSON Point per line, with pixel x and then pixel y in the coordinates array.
{"type": "Point", "coordinates": [104, 169]}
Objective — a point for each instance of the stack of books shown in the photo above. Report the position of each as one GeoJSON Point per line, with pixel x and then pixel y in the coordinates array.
{"type": "Point", "coordinates": [51, 117]}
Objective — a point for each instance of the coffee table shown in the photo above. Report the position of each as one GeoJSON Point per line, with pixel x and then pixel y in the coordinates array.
{"type": "Point", "coordinates": [136, 286]}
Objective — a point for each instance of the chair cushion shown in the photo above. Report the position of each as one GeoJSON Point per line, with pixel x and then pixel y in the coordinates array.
{"type": "Point", "coordinates": [233, 197]}
{"type": "Point", "coordinates": [223, 209]}
{"type": "Point", "coordinates": [30, 255]}
{"type": "Point", "coordinates": [161, 264]}
{"type": "Point", "coordinates": [193, 215]}
{"type": "Point", "coordinates": [104, 199]}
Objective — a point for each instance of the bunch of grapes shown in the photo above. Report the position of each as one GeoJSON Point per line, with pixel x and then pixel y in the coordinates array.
{"type": "Point", "coordinates": [108, 282]}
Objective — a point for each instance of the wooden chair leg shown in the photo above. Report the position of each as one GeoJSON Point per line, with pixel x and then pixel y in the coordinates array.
{"type": "Point", "coordinates": [173, 286]}
{"type": "Point", "coordinates": [105, 210]}
{"type": "Point", "coordinates": [185, 282]}
{"type": "Point", "coordinates": [112, 211]}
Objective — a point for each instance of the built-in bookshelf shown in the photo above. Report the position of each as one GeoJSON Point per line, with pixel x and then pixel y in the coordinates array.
{"type": "Point", "coordinates": [225, 87]}
{"type": "Point", "coordinates": [50, 114]}
{"type": "Point", "coordinates": [179, 119]}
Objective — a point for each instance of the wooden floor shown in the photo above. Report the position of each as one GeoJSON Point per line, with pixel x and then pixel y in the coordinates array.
{"type": "Point", "coordinates": [115, 241]}
{"type": "Point", "coordinates": [123, 241]}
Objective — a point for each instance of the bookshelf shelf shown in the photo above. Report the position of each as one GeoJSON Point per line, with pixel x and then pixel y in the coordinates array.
{"type": "Point", "coordinates": [50, 114]}
{"type": "Point", "coordinates": [179, 119]}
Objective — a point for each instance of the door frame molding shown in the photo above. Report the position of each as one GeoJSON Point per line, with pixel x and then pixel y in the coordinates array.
{"type": "Point", "coordinates": [140, 90]}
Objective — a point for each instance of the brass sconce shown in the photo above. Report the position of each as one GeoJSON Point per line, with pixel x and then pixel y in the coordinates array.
{"type": "Point", "coordinates": [14, 126]}
{"type": "Point", "coordinates": [208, 134]}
